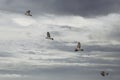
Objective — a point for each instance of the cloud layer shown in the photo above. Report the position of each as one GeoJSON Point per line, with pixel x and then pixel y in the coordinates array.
{"type": "Point", "coordinates": [25, 54]}
{"type": "Point", "coordinates": [63, 7]}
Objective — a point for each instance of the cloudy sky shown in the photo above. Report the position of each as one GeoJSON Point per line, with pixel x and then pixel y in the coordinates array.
{"type": "Point", "coordinates": [74, 13]}
{"type": "Point", "coordinates": [25, 54]}
{"type": "Point", "coordinates": [63, 7]}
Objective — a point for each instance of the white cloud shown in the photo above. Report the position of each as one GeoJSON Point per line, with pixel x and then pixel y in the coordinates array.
{"type": "Point", "coordinates": [24, 21]}
{"type": "Point", "coordinates": [24, 38]}
{"type": "Point", "coordinates": [10, 76]}
{"type": "Point", "coordinates": [98, 29]}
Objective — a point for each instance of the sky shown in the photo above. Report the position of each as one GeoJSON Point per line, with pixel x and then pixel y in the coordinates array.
{"type": "Point", "coordinates": [85, 8]}
{"type": "Point", "coordinates": [97, 20]}
{"type": "Point", "coordinates": [25, 54]}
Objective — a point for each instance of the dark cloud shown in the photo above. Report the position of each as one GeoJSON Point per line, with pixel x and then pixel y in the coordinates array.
{"type": "Point", "coordinates": [102, 48]}
{"type": "Point", "coordinates": [72, 7]}
{"type": "Point", "coordinates": [88, 7]}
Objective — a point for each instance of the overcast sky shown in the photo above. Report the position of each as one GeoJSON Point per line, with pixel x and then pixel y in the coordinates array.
{"type": "Point", "coordinates": [107, 12]}
{"type": "Point", "coordinates": [25, 54]}
{"type": "Point", "coordinates": [63, 7]}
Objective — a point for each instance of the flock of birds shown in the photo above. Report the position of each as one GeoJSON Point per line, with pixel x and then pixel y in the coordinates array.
{"type": "Point", "coordinates": [78, 48]}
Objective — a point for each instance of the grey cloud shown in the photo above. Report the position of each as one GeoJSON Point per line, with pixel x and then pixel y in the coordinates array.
{"type": "Point", "coordinates": [63, 7]}
{"type": "Point", "coordinates": [88, 7]}
{"type": "Point", "coordinates": [37, 6]}
{"type": "Point", "coordinates": [115, 33]}
{"type": "Point", "coordinates": [102, 48]}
